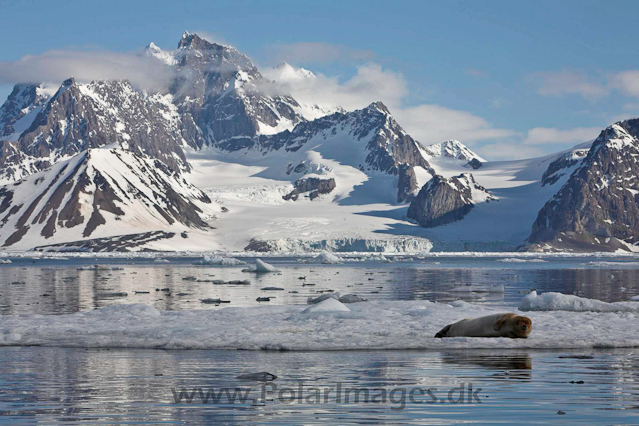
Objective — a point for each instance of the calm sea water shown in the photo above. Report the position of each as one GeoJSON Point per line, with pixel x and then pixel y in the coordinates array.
{"type": "Point", "coordinates": [110, 386]}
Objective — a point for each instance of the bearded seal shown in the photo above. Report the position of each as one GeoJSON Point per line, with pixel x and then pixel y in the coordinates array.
{"type": "Point", "coordinates": [497, 325]}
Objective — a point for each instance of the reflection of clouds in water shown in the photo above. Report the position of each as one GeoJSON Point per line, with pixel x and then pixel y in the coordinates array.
{"type": "Point", "coordinates": [135, 385]}
{"type": "Point", "coordinates": [50, 286]}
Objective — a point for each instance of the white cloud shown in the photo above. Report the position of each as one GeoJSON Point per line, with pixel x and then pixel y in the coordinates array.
{"type": "Point", "coordinates": [509, 151]}
{"type": "Point", "coordinates": [371, 83]}
{"type": "Point", "coordinates": [627, 81]}
{"type": "Point", "coordinates": [427, 123]}
{"type": "Point", "coordinates": [434, 123]}
{"type": "Point", "coordinates": [549, 135]}
{"type": "Point", "coordinates": [567, 83]}
{"type": "Point", "coordinates": [58, 65]}
{"type": "Point", "coordinates": [317, 52]}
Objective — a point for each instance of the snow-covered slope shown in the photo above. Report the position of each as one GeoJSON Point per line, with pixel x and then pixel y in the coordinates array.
{"type": "Point", "coordinates": [100, 193]}
{"type": "Point", "coordinates": [452, 149]}
{"type": "Point", "coordinates": [286, 175]}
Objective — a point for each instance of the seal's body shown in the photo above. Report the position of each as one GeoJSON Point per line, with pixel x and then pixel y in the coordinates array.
{"type": "Point", "coordinates": [497, 325]}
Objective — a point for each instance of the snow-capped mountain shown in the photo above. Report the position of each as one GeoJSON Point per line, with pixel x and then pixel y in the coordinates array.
{"type": "Point", "coordinates": [452, 149]}
{"type": "Point", "coordinates": [20, 109]}
{"type": "Point", "coordinates": [598, 207]}
{"type": "Point", "coordinates": [84, 116]}
{"type": "Point", "coordinates": [345, 146]}
{"type": "Point", "coordinates": [222, 91]}
{"type": "Point", "coordinates": [565, 164]}
{"type": "Point", "coordinates": [104, 165]}
{"type": "Point", "coordinates": [100, 193]}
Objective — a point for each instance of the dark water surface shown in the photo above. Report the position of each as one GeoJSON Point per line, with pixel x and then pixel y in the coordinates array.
{"type": "Point", "coordinates": [56, 286]}
{"type": "Point", "coordinates": [124, 385]}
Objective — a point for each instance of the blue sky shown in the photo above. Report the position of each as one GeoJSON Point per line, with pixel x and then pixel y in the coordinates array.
{"type": "Point", "coordinates": [510, 79]}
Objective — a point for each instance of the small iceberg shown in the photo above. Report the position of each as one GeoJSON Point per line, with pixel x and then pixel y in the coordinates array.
{"type": "Point", "coordinates": [218, 261]}
{"type": "Point", "coordinates": [327, 258]}
{"type": "Point", "coordinates": [328, 305]}
{"type": "Point", "coordinates": [261, 266]}
{"type": "Point", "coordinates": [5, 261]}
{"type": "Point", "coordinates": [565, 302]}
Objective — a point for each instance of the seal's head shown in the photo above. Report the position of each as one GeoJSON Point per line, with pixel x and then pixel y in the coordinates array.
{"type": "Point", "coordinates": [522, 326]}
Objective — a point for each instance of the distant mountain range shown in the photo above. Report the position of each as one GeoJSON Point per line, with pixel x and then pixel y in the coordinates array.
{"type": "Point", "coordinates": [221, 161]}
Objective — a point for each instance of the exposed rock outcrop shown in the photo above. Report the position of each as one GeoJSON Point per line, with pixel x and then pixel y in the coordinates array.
{"type": "Point", "coordinates": [598, 207]}
{"type": "Point", "coordinates": [565, 163]}
{"type": "Point", "coordinates": [443, 200]}
{"type": "Point", "coordinates": [98, 193]}
{"type": "Point", "coordinates": [474, 164]}
{"type": "Point", "coordinates": [407, 183]}
{"type": "Point", "coordinates": [312, 186]}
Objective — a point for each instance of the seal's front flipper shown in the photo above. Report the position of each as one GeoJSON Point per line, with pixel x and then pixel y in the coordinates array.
{"type": "Point", "coordinates": [442, 332]}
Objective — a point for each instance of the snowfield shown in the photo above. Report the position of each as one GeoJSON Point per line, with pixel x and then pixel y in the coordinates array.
{"type": "Point", "coordinates": [329, 325]}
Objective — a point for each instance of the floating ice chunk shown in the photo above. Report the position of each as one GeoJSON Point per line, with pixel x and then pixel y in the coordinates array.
{"type": "Point", "coordinates": [374, 325]}
{"type": "Point", "coordinates": [261, 266]}
{"type": "Point", "coordinates": [634, 298]}
{"type": "Point", "coordinates": [328, 258]}
{"type": "Point", "coordinates": [519, 260]}
{"type": "Point", "coordinates": [498, 288]}
{"type": "Point", "coordinates": [380, 258]}
{"type": "Point", "coordinates": [565, 302]}
{"type": "Point", "coordinates": [218, 260]}
{"type": "Point", "coordinates": [5, 261]}
{"type": "Point", "coordinates": [328, 305]}
{"type": "Point", "coordinates": [606, 264]}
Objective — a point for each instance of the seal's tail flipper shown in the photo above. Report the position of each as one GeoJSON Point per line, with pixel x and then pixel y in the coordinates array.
{"type": "Point", "coordinates": [442, 332]}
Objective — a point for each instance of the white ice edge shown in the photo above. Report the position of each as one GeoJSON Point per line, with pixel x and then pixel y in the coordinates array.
{"type": "Point", "coordinates": [426, 255]}
{"type": "Point", "coordinates": [377, 325]}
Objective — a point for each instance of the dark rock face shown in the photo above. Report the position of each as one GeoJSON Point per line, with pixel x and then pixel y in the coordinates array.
{"type": "Point", "coordinates": [80, 117]}
{"type": "Point", "coordinates": [89, 190]}
{"type": "Point", "coordinates": [407, 183]}
{"type": "Point", "coordinates": [558, 167]}
{"type": "Point", "coordinates": [24, 99]}
{"type": "Point", "coordinates": [215, 83]}
{"type": "Point", "coordinates": [387, 144]}
{"type": "Point", "coordinates": [314, 186]}
{"type": "Point", "coordinates": [474, 164]}
{"type": "Point", "coordinates": [443, 201]}
{"type": "Point", "coordinates": [599, 204]}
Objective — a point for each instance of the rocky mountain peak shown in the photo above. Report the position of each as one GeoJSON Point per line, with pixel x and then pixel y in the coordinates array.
{"type": "Point", "coordinates": [444, 200]}
{"type": "Point", "coordinates": [599, 204]}
{"type": "Point", "coordinates": [194, 41]}
{"type": "Point", "coordinates": [452, 149]}
{"type": "Point", "coordinates": [379, 106]}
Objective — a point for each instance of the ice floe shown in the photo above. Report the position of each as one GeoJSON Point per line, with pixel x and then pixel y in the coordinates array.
{"type": "Point", "coordinates": [328, 325]}
{"type": "Point", "coordinates": [328, 258]}
{"type": "Point", "coordinates": [566, 302]}
{"type": "Point", "coordinates": [218, 261]}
